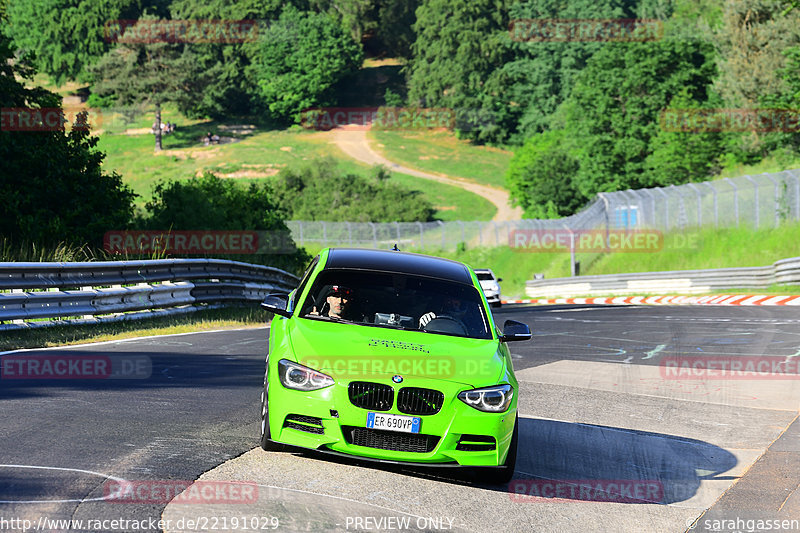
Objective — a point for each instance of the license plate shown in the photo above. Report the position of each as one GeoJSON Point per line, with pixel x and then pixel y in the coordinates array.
{"type": "Point", "coordinates": [405, 424]}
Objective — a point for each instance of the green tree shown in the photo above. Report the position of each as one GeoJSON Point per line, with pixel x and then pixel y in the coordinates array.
{"type": "Point", "coordinates": [677, 156]}
{"type": "Point", "coordinates": [52, 186]}
{"type": "Point", "coordinates": [212, 203]}
{"type": "Point", "coordinates": [301, 58]}
{"type": "Point", "coordinates": [751, 42]}
{"type": "Point", "coordinates": [395, 29]}
{"type": "Point", "coordinates": [540, 177]}
{"type": "Point", "coordinates": [541, 74]}
{"type": "Point", "coordinates": [64, 37]}
{"type": "Point", "coordinates": [319, 191]}
{"type": "Point", "coordinates": [229, 67]}
{"type": "Point", "coordinates": [613, 111]}
{"type": "Point", "coordinates": [459, 44]}
{"type": "Point", "coordinates": [149, 74]}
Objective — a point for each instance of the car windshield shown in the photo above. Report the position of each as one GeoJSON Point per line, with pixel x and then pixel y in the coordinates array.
{"type": "Point", "coordinates": [484, 276]}
{"type": "Point", "coordinates": [399, 301]}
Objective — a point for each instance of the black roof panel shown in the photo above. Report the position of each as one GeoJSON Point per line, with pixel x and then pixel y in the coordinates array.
{"type": "Point", "coordinates": [401, 262]}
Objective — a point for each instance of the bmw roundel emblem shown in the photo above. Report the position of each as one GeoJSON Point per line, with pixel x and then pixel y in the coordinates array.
{"type": "Point", "coordinates": [397, 379]}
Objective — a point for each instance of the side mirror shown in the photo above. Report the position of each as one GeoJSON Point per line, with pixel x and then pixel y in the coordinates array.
{"type": "Point", "coordinates": [515, 331]}
{"type": "Point", "coordinates": [276, 303]}
{"type": "Point", "coordinates": [499, 280]}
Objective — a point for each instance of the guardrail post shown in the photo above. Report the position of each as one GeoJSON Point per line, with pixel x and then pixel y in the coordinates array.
{"type": "Point", "coordinates": [755, 185]}
{"type": "Point", "coordinates": [735, 199]}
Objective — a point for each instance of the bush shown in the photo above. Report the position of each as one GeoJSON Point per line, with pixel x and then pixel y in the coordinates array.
{"type": "Point", "coordinates": [318, 191]}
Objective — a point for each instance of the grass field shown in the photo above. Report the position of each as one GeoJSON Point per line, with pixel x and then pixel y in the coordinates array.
{"type": "Point", "coordinates": [715, 248]}
{"type": "Point", "coordinates": [253, 154]}
{"type": "Point", "coordinates": [441, 152]}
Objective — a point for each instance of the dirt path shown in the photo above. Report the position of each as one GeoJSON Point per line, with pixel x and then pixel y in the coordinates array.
{"type": "Point", "coordinates": [354, 143]}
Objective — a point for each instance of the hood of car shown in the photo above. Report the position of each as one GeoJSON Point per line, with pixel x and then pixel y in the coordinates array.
{"type": "Point", "coordinates": [353, 352]}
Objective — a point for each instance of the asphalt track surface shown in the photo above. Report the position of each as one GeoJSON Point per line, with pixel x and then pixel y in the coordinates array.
{"type": "Point", "coordinates": [596, 406]}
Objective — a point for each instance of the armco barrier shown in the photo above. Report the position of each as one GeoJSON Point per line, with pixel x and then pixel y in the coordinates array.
{"type": "Point", "coordinates": [43, 294]}
{"type": "Point", "coordinates": [783, 272]}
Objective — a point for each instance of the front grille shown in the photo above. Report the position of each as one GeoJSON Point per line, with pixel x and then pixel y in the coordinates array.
{"type": "Point", "coordinates": [475, 443]}
{"type": "Point", "coordinates": [389, 440]}
{"type": "Point", "coordinates": [415, 401]}
{"type": "Point", "coordinates": [373, 396]}
{"type": "Point", "coordinates": [309, 424]}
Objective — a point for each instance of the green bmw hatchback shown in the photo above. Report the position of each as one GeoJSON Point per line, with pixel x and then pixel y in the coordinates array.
{"type": "Point", "coordinates": [394, 357]}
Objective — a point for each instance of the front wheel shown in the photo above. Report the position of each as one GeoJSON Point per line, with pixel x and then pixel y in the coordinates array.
{"type": "Point", "coordinates": [266, 443]}
{"type": "Point", "coordinates": [503, 474]}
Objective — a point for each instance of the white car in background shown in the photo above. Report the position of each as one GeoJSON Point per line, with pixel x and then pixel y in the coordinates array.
{"type": "Point", "coordinates": [490, 285]}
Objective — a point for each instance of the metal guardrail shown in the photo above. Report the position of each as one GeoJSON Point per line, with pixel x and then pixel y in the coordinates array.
{"type": "Point", "coordinates": [42, 294]}
{"type": "Point", "coordinates": [783, 272]}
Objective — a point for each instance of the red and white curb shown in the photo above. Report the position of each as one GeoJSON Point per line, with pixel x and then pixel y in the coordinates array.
{"type": "Point", "coordinates": [717, 299]}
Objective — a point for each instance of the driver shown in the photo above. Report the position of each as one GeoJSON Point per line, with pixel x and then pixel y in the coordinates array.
{"type": "Point", "coordinates": [339, 301]}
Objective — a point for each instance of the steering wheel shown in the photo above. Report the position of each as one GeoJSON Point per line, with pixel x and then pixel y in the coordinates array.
{"type": "Point", "coordinates": [446, 324]}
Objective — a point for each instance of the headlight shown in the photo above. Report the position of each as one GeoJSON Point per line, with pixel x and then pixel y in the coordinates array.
{"type": "Point", "coordinates": [489, 399]}
{"type": "Point", "coordinates": [299, 377]}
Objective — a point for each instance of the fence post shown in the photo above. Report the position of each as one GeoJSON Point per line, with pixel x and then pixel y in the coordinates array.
{"type": "Point", "coordinates": [716, 213]}
{"type": "Point", "coordinates": [443, 226]}
{"type": "Point", "coordinates": [349, 233]}
{"type": "Point", "coordinates": [755, 185]}
{"type": "Point", "coordinates": [463, 239]}
{"type": "Point", "coordinates": [777, 200]}
{"type": "Point", "coordinates": [421, 238]}
{"type": "Point", "coordinates": [374, 235]}
{"type": "Point", "coordinates": [397, 225]}
{"type": "Point", "coordinates": [605, 210]}
{"type": "Point", "coordinates": [300, 223]}
{"type": "Point", "coordinates": [699, 204]}
{"type": "Point", "coordinates": [652, 204]}
{"type": "Point", "coordinates": [572, 266]}
{"type": "Point", "coordinates": [735, 199]}
{"type": "Point", "coordinates": [666, 208]}
{"type": "Point", "coordinates": [324, 233]}
{"type": "Point", "coordinates": [796, 174]}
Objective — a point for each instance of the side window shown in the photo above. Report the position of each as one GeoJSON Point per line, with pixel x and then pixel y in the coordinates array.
{"type": "Point", "coordinates": [303, 282]}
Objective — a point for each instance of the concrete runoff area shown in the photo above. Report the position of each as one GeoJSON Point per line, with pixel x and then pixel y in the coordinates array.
{"type": "Point", "coordinates": [715, 447]}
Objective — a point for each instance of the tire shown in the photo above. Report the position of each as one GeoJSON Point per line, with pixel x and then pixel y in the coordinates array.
{"type": "Point", "coordinates": [497, 304]}
{"type": "Point", "coordinates": [266, 443]}
{"type": "Point", "coordinates": [503, 474]}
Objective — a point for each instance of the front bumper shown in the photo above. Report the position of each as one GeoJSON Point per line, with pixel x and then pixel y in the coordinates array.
{"type": "Point", "coordinates": [457, 435]}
